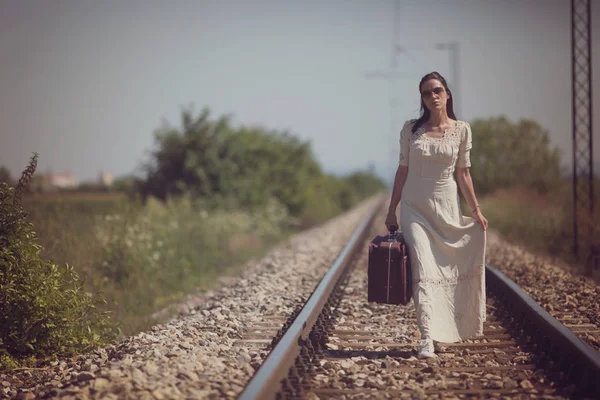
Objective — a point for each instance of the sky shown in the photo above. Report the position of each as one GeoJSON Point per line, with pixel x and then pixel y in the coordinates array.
{"type": "Point", "coordinates": [85, 83]}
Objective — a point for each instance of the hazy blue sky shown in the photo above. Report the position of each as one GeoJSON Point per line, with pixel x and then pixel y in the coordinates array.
{"type": "Point", "coordinates": [85, 83]}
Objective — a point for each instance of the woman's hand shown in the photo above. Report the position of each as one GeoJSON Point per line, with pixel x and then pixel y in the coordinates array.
{"type": "Point", "coordinates": [480, 218]}
{"type": "Point", "coordinates": [391, 220]}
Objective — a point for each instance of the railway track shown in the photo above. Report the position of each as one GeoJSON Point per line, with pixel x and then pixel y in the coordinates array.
{"type": "Point", "coordinates": [336, 345]}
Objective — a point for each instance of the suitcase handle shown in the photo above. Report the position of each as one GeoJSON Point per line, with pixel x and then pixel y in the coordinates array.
{"type": "Point", "coordinates": [394, 234]}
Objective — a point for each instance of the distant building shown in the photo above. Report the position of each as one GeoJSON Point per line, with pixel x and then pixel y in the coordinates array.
{"type": "Point", "coordinates": [66, 180]}
{"type": "Point", "coordinates": [106, 178]}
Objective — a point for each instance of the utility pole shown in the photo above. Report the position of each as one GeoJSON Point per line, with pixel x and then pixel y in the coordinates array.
{"type": "Point", "coordinates": [390, 76]}
{"type": "Point", "coordinates": [586, 244]}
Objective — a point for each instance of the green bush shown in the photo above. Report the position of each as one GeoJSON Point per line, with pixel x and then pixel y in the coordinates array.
{"type": "Point", "coordinates": [248, 166]}
{"type": "Point", "coordinates": [510, 154]}
{"type": "Point", "coordinates": [44, 312]}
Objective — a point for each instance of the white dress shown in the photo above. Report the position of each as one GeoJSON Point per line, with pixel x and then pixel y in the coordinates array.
{"type": "Point", "coordinates": [446, 249]}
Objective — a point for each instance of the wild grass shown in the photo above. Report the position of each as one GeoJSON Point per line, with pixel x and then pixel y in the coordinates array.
{"type": "Point", "coordinates": [542, 223]}
{"type": "Point", "coordinates": [44, 311]}
{"type": "Point", "coordinates": [144, 257]}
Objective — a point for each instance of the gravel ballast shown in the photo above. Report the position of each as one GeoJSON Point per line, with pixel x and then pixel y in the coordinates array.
{"type": "Point", "coordinates": [373, 348]}
{"type": "Point", "coordinates": [566, 295]}
{"type": "Point", "coordinates": [196, 355]}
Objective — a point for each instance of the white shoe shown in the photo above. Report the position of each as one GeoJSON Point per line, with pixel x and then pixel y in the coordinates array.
{"type": "Point", "coordinates": [427, 350]}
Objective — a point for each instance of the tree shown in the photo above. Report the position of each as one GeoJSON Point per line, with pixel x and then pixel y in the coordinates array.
{"type": "Point", "coordinates": [507, 154]}
{"type": "Point", "coordinates": [186, 161]}
{"type": "Point", "coordinates": [209, 159]}
{"type": "Point", "coordinates": [245, 167]}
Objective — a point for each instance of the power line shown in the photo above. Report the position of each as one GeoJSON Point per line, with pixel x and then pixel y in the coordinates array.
{"type": "Point", "coordinates": [391, 74]}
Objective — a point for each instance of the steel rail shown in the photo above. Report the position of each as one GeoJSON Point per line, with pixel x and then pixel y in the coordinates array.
{"type": "Point", "coordinates": [578, 358]}
{"type": "Point", "coordinates": [568, 352]}
{"type": "Point", "coordinates": [266, 382]}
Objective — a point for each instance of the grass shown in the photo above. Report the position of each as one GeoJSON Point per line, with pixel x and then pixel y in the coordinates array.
{"type": "Point", "coordinates": [543, 223]}
{"type": "Point", "coordinates": [142, 258]}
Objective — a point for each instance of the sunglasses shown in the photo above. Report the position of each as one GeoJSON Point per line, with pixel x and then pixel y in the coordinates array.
{"type": "Point", "coordinates": [427, 93]}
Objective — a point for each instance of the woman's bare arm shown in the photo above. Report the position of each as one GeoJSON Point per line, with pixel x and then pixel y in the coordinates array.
{"type": "Point", "coordinates": [465, 182]}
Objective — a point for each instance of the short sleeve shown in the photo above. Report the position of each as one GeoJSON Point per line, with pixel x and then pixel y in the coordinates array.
{"type": "Point", "coordinates": [405, 143]}
{"type": "Point", "coordinates": [464, 150]}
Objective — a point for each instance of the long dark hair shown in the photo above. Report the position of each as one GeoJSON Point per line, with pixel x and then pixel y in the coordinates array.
{"type": "Point", "coordinates": [426, 113]}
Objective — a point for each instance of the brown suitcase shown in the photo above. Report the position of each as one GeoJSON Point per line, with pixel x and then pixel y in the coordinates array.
{"type": "Point", "coordinates": [389, 277]}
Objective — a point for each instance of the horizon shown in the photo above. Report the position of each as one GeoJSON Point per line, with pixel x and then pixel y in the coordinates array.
{"type": "Point", "coordinates": [86, 88]}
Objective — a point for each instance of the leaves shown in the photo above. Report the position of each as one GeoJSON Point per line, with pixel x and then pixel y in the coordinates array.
{"type": "Point", "coordinates": [211, 159]}
{"type": "Point", "coordinates": [506, 154]}
{"type": "Point", "coordinates": [25, 178]}
{"type": "Point", "coordinates": [39, 301]}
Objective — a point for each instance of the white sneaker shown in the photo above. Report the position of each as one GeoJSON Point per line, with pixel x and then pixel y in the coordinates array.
{"type": "Point", "coordinates": [427, 350]}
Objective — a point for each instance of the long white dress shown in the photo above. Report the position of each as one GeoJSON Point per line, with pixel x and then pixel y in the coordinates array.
{"type": "Point", "coordinates": [446, 249]}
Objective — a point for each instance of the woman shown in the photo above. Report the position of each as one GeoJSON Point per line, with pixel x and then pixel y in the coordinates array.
{"type": "Point", "coordinates": [446, 249]}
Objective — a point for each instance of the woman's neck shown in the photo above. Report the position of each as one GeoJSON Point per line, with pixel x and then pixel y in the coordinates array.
{"type": "Point", "coordinates": [438, 118]}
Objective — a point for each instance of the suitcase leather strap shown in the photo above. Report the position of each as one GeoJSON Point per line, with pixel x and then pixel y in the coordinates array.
{"type": "Point", "coordinates": [388, 271]}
